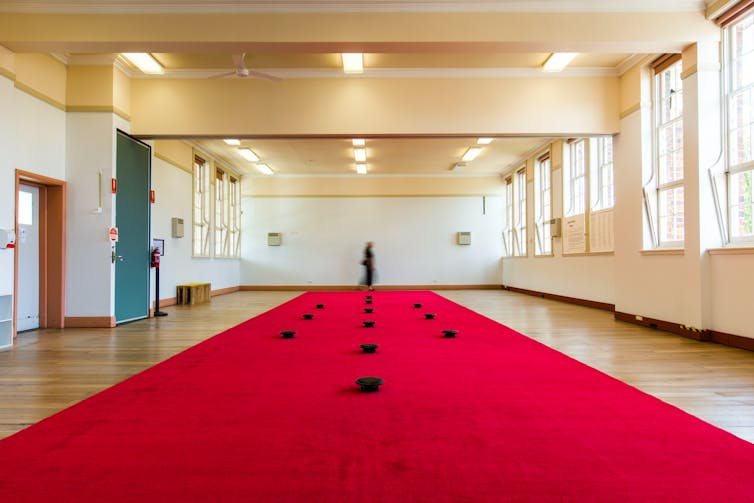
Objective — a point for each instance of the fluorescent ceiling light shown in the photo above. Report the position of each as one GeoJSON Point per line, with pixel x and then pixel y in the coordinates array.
{"type": "Point", "coordinates": [360, 154]}
{"type": "Point", "coordinates": [361, 169]}
{"type": "Point", "coordinates": [144, 62]}
{"type": "Point", "coordinates": [232, 142]}
{"type": "Point", "coordinates": [358, 142]}
{"type": "Point", "coordinates": [483, 141]}
{"type": "Point", "coordinates": [558, 60]}
{"type": "Point", "coordinates": [471, 153]}
{"type": "Point", "coordinates": [264, 169]}
{"type": "Point", "coordinates": [247, 154]}
{"type": "Point", "coordinates": [353, 62]}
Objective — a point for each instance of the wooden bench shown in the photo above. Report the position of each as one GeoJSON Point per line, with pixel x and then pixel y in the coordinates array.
{"type": "Point", "coordinates": [193, 293]}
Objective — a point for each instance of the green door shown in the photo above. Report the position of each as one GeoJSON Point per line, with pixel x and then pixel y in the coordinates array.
{"type": "Point", "coordinates": [133, 163]}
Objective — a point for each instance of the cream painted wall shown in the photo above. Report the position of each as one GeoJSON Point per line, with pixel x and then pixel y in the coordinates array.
{"type": "Point", "coordinates": [415, 240]}
{"type": "Point", "coordinates": [43, 76]}
{"type": "Point", "coordinates": [173, 188]}
{"type": "Point", "coordinates": [89, 87]}
{"type": "Point", "coordinates": [238, 107]}
{"type": "Point", "coordinates": [731, 294]}
{"type": "Point", "coordinates": [32, 138]}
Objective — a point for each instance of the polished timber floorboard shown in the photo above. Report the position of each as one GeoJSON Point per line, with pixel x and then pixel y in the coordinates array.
{"type": "Point", "coordinates": [49, 370]}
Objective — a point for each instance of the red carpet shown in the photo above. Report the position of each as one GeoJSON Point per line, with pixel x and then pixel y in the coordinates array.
{"type": "Point", "coordinates": [488, 416]}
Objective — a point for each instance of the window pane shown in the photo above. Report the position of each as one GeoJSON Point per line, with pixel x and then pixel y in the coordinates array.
{"type": "Point", "coordinates": [742, 204]}
{"type": "Point", "coordinates": [671, 215]}
{"type": "Point", "coordinates": [25, 213]}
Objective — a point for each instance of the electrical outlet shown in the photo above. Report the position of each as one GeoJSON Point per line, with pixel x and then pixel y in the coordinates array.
{"type": "Point", "coordinates": [639, 318]}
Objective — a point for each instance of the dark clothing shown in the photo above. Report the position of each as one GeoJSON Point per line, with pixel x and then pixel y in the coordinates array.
{"type": "Point", "coordinates": [369, 265]}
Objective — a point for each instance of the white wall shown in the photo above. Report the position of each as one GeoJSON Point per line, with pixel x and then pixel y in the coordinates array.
{"type": "Point", "coordinates": [173, 189]}
{"type": "Point", "coordinates": [32, 138]}
{"type": "Point", "coordinates": [415, 240]}
{"type": "Point", "coordinates": [89, 268]}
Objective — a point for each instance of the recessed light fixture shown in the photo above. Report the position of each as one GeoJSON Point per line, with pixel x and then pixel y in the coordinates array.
{"type": "Point", "coordinates": [353, 62]}
{"type": "Point", "coordinates": [232, 142]}
{"type": "Point", "coordinates": [471, 154]}
{"type": "Point", "coordinates": [144, 62]}
{"type": "Point", "coordinates": [248, 154]}
{"type": "Point", "coordinates": [558, 60]}
{"type": "Point", "coordinates": [360, 154]}
{"type": "Point", "coordinates": [264, 169]}
{"type": "Point", "coordinates": [483, 141]}
{"type": "Point", "coordinates": [358, 142]}
{"type": "Point", "coordinates": [361, 169]}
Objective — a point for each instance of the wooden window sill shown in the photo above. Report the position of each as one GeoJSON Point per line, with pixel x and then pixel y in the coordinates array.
{"type": "Point", "coordinates": [731, 251]}
{"type": "Point", "coordinates": [663, 251]}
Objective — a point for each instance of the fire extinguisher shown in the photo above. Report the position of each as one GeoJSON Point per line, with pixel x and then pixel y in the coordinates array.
{"type": "Point", "coordinates": [156, 258]}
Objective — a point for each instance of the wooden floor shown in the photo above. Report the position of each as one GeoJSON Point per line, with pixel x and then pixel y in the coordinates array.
{"type": "Point", "coordinates": [49, 370]}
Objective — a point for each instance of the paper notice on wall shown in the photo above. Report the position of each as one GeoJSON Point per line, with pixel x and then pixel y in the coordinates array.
{"type": "Point", "coordinates": [574, 240]}
{"type": "Point", "coordinates": [601, 233]}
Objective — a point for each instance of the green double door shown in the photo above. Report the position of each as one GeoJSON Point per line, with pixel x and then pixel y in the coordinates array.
{"type": "Point", "coordinates": [132, 207]}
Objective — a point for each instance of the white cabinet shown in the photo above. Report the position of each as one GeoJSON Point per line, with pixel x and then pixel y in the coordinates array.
{"type": "Point", "coordinates": [6, 321]}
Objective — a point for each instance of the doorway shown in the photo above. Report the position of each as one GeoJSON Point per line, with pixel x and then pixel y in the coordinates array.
{"type": "Point", "coordinates": [39, 289]}
{"type": "Point", "coordinates": [27, 247]}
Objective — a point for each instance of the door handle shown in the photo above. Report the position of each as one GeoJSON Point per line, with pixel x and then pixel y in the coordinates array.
{"type": "Point", "coordinates": [120, 258]}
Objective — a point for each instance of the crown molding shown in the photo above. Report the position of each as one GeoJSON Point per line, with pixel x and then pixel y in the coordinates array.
{"type": "Point", "coordinates": [283, 6]}
{"type": "Point", "coordinates": [393, 73]}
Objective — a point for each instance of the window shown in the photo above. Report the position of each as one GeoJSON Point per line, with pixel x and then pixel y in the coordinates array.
{"type": "Point", "coordinates": [221, 213]}
{"type": "Point", "coordinates": [201, 217]}
{"type": "Point", "coordinates": [669, 154]}
{"type": "Point", "coordinates": [543, 205]}
{"type": "Point", "coordinates": [575, 180]}
{"type": "Point", "coordinates": [234, 214]}
{"type": "Point", "coordinates": [603, 195]}
{"type": "Point", "coordinates": [740, 130]}
{"type": "Point", "coordinates": [519, 189]}
{"type": "Point", "coordinates": [508, 231]}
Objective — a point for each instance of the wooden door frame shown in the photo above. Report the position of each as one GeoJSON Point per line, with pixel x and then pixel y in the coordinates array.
{"type": "Point", "coordinates": [52, 253]}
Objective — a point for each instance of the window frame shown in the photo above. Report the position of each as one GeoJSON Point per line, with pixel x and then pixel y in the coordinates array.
{"type": "Point", "coordinates": [731, 170]}
{"type": "Point", "coordinates": [201, 218]}
{"type": "Point", "coordinates": [508, 245]}
{"type": "Point", "coordinates": [575, 176]}
{"type": "Point", "coordinates": [520, 213]}
{"type": "Point", "coordinates": [602, 182]}
{"type": "Point", "coordinates": [665, 186]}
{"type": "Point", "coordinates": [543, 204]}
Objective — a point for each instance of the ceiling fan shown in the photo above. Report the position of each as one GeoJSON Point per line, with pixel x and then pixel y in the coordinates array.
{"type": "Point", "coordinates": [242, 72]}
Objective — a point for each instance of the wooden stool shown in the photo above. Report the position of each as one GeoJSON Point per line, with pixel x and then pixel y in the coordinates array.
{"type": "Point", "coordinates": [193, 293]}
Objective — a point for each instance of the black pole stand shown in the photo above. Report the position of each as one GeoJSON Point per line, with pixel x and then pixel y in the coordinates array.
{"type": "Point", "coordinates": [157, 311]}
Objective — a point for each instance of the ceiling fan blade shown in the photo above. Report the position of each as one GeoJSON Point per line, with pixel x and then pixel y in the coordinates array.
{"type": "Point", "coordinates": [265, 76]}
{"type": "Point", "coordinates": [222, 75]}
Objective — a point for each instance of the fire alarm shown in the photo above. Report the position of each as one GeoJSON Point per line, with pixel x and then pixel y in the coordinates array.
{"type": "Point", "coordinates": [114, 185]}
{"type": "Point", "coordinates": [7, 238]}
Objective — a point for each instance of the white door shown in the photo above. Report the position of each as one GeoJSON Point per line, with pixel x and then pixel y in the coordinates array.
{"type": "Point", "coordinates": [27, 246]}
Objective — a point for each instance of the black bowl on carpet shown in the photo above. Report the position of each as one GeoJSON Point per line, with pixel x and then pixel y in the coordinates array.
{"type": "Point", "coordinates": [417, 306]}
{"type": "Point", "coordinates": [368, 301]}
{"type": "Point", "coordinates": [449, 333]}
{"type": "Point", "coordinates": [369, 383]}
{"type": "Point", "coordinates": [369, 297]}
{"type": "Point", "coordinates": [288, 334]}
{"type": "Point", "coordinates": [369, 324]}
{"type": "Point", "coordinates": [368, 310]}
{"type": "Point", "coordinates": [429, 316]}
{"type": "Point", "coordinates": [320, 306]}
{"type": "Point", "coordinates": [308, 316]}
{"type": "Point", "coordinates": [369, 348]}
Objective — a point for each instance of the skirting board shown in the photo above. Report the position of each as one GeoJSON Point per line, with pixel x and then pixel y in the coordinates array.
{"type": "Point", "coordinates": [562, 298]}
{"type": "Point", "coordinates": [705, 335]}
{"type": "Point", "coordinates": [351, 288]}
{"type": "Point", "coordinates": [172, 300]}
{"type": "Point", "coordinates": [89, 321]}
